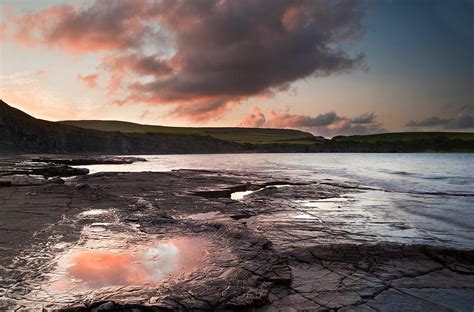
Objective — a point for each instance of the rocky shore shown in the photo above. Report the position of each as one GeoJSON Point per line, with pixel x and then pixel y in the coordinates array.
{"type": "Point", "coordinates": [261, 252]}
{"type": "Point", "coordinates": [25, 170]}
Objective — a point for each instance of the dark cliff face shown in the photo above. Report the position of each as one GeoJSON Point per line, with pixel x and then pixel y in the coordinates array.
{"type": "Point", "coordinates": [6, 145]}
{"type": "Point", "coordinates": [21, 133]}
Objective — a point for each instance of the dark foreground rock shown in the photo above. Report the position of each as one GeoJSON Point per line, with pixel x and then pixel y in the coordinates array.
{"type": "Point", "coordinates": [261, 254]}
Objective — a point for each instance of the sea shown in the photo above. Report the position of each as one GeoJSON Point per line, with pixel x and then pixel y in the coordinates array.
{"type": "Point", "coordinates": [430, 194]}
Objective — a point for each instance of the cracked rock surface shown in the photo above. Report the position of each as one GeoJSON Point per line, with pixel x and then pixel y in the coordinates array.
{"type": "Point", "coordinates": [286, 246]}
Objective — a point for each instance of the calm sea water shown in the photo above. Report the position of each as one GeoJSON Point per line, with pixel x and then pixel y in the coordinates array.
{"type": "Point", "coordinates": [432, 192]}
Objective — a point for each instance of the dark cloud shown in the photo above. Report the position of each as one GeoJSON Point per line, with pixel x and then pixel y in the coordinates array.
{"type": "Point", "coordinates": [221, 51]}
{"type": "Point", "coordinates": [302, 121]}
{"type": "Point", "coordinates": [141, 65]}
{"type": "Point", "coordinates": [364, 119]}
{"type": "Point", "coordinates": [459, 122]}
{"type": "Point", "coordinates": [123, 66]}
{"type": "Point", "coordinates": [351, 128]}
{"type": "Point", "coordinates": [466, 109]}
{"type": "Point", "coordinates": [327, 124]}
{"type": "Point", "coordinates": [237, 49]}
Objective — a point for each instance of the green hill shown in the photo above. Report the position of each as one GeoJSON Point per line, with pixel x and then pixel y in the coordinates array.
{"type": "Point", "coordinates": [406, 137]}
{"type": "Point", "coordinates": [239, 135]}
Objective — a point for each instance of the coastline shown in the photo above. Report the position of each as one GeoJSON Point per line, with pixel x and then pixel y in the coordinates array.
{"type": "Point", "coordinates": [262, 252]}
{"type": "Point", "coordinates": [21, 133]}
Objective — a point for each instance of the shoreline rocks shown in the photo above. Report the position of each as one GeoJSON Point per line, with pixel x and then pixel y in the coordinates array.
{"type": "Point", "coordinates": [49, 169]}
{"type": "Point", "coordinates": [293, 264]}
{"type": "Point", "coordinates": [88, 160]}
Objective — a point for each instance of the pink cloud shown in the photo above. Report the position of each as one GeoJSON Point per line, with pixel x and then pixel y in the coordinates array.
{"type": "Point", "coordinates": [145, 114]}
{"type": "Point", "coordinates": [256, 119]}
{"type": "Point", "coordinates": [201, 111]}
{"type": "Point", "coordinates": [326, 124]}
{"type": "Point", "coordinates": [3, 32]}
{"type": "Point", "coordinates": [41, 72]}
{"type": "Point", "coordinates": [89, 81]}
{"type": "Point", "coordinates": [104, 26]}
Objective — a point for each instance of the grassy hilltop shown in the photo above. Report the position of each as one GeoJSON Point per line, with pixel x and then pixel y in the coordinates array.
{"type": "Point", "coordinates": [232, 134]}
{"type": "Point", "coordinates": [407, 137]}
{"type": "Point", "coordinates": [268, 136]}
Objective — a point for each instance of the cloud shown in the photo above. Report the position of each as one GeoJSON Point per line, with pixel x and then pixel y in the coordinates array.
{"type": "Point", "coordinates": [464, 121]}
{"type": "Point", "coordinates": [41, 72]}
{"type": "Point", "coordinates": [466, 109]}
{"type": "Point", "coordinates": [327, 124]}
{"type": "Point", "coordinates": [278, 120]}
{"type": "Point", "coordinates": [89, 81]}
{"type": "Point", "coordinates": [145, 114]}
{"type": "Point", "coordinates": [120, 66]}
{"type": "Point", "coordinates": [3, 31]}
{"type": "Point", "coordinates": [202, 55]}
{"type": "Point", "coordinates": [256, 119]}
{"type": "Point", "coordinates": [364, 119]}
{"type": "Point", "coordinates": [231, 50]}
{"type": "Point", "coordinates": [105, 25]}
{"type": "Point", "coordinates": [201, 111]}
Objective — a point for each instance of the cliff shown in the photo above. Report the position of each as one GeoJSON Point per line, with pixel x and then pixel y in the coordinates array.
{"type": "Point", "coordinates": [21, 133]}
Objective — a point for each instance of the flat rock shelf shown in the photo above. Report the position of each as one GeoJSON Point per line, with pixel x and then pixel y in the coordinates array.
{"type": "Point", "coordinates": [179, 241]}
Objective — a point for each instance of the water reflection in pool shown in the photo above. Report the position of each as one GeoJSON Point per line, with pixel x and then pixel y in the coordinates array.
{"type": "Point", "coordinates": [86, 269]}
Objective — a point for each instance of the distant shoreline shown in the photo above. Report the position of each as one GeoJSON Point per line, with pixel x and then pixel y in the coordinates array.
{"type": "Point", "coordinates": [24, 134]}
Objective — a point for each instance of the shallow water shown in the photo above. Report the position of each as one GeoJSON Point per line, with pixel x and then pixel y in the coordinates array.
{"type": "Point", "coordinates": [415, 172]}
{"type": "Point", "coordinates": [112, 255]}
{"type": "Point", "coordinates": [428, 195]}
{"type": "Point", "coordinates": [241, 195]}
{"type": "Point", "coordinates": [108, 262]}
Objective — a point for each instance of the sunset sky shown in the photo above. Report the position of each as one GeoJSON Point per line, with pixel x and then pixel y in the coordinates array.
{"type": "Point", "coordinates": [329, 67]}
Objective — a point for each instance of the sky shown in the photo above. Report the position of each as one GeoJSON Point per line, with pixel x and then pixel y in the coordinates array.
{"type": "Point", "coordinates": [326, 66]}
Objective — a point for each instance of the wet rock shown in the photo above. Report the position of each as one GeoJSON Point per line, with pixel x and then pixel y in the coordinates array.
{"type": "Point", "coordinates": [213, 193]}
{"type": "Point", "coordinates": [132, 219]}
{"type": "Point", "coordinates": [82, 186]}
{"type": "Point", "coordinates": [88, 160]}
{"type": "Point", "coordinates": [394, 300]}
{"type": "Point", "coordinates": [242, 215]}
{"type": "Point", "coordinates": [290, 261]}
{"type": "Point", "coordinates": [5, 181]}
{"type": "Point", "coordinates": [108, 306]}
{"type": "Point", "coordinates": [24, 180]}
{"type": "Point", "coordinates": [56, 180]}
{"type": "Point", "coordinates": [451, 299]}
{"type": "Point", "coordinates": [36, 168]}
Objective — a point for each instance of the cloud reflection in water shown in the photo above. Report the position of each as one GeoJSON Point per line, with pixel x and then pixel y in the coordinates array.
{"type": "Point", "coordinates": [148, 265]}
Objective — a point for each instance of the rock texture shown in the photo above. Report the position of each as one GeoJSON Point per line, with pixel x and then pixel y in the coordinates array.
{"type": "Point", "coordinates": [263, 256]}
